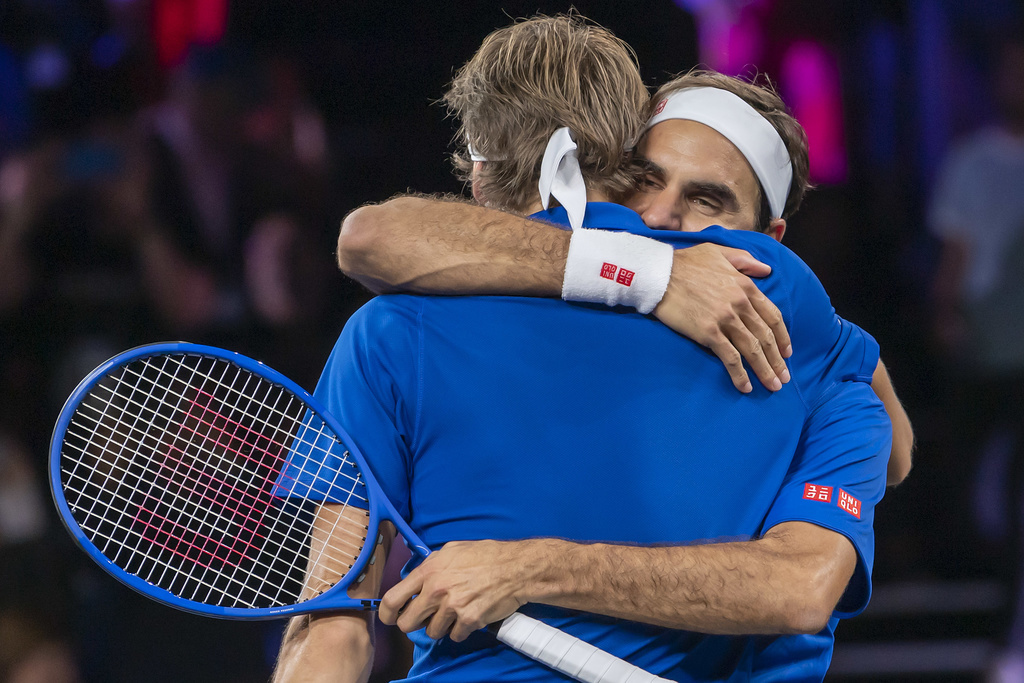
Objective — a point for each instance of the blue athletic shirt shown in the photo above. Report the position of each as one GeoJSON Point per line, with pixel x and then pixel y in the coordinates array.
{"type": "Point", "coordinates": [511, 417]}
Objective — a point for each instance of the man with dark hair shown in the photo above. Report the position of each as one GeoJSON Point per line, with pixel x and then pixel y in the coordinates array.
{"type": "Point", "coordinates": [534, 444]}
{"type": "Point", "coordinates": [431, 246]}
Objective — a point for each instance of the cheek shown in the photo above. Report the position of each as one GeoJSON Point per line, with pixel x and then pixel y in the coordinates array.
{"type": "Point", "coordinates": [638, 201]}
{"type": "Point", "coordinates": [694, 221]}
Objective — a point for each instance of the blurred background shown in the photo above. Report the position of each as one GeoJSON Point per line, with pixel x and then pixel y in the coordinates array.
{"type": "Point", "coordinates": [178, 169]}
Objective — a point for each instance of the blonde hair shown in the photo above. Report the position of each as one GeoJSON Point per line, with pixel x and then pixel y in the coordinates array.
{"type": "Point", "coordinates": [766, 101]}
{"type": "Point", "coordinates": [531, 78]}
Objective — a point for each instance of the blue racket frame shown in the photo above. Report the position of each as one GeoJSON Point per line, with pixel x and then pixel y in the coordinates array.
{"type": "Point", "coordinates": [336, 598]}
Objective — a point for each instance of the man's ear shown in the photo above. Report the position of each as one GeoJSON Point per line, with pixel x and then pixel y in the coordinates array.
{"type": "Point", "coordinates": [777, 228]}
{"type": "Point", "coordinates": [475, 183]}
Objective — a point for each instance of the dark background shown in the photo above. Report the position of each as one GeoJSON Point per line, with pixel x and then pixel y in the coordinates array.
{"type": "Point", "coordinates": [309, 109]}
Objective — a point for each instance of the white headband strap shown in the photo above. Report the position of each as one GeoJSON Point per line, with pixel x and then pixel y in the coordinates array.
{"type": "Point", "coordinates": [740, 123]}
{"type": "Point", "coordinates": [473, 154]}
{"type": "Point", "coordinates": [561, 177]}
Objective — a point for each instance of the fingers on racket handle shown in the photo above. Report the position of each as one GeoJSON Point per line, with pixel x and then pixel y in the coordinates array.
{"type": "Point", "coordinates": [568, 654]}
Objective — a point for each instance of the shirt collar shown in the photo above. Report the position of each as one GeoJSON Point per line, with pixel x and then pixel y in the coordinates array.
{"type": "Point", "coordinates": [599, 215]}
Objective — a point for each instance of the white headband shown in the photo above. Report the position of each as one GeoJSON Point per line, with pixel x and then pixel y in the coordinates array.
{"type": "Point", "coordinates": [560, 176]}
{"type": "Point", "coordinates": [740, 123]}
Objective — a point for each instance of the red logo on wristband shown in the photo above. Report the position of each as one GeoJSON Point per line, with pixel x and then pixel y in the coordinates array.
{"type": "Point", "coordinates": [609, 270]}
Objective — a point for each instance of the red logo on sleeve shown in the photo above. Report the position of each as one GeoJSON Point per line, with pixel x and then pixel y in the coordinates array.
{"type": "Point", "coordinates": [818, 492]}
{"type": "Point", "coordinates": [849, 503]}
{"type": "Point", "coordinates": [660, 108]}
{"type": "Point", "coordinates": [625, 277]}
{"type": "Point", "coordinates": [608, 271]}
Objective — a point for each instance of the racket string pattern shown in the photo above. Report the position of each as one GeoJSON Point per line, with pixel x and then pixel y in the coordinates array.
{"type": "Point", "coordinates": [177, 469]}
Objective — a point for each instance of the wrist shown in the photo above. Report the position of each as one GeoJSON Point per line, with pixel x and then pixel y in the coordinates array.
{"type": "Point", "coordinates": [554, 571]}
{"type": "Point", "coordinates": [616, 268]}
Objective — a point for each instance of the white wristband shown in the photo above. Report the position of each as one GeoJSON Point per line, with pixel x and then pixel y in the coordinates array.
{"type": "Point", "coordinates": [616, 268]}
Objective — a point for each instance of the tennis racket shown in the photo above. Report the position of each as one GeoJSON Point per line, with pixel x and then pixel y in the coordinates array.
{"type": "Point", "coordinates": [211, 483]}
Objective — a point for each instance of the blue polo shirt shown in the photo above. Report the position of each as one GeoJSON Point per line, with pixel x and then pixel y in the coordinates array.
{"type": "Point", "coordinates": [510, 418]}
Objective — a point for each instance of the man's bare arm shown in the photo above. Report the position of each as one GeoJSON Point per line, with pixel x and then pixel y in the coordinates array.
{"type": "Point", "coordinates": [789, 581]}
{"type": "Point", "coordinates": [901, 458]}
{"type": "Point", "coordinates": [333, 646]}
{"type": "Point", "coordinates": [428, 246]}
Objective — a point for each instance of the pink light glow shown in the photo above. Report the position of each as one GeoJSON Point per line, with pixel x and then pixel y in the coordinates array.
{"type": "Point", "coordinates": [177, 24]}
{"type": "Point", "coordinates": [811, 87]}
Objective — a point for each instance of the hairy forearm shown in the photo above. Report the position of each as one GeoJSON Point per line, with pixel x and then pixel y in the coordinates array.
{"type": "Point", "coordinates": [431, 246]}
{"type": "Point", "coordinates": [759, 586]}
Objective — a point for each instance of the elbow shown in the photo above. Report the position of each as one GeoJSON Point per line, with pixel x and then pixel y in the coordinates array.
{"type": "Point", "coordinates": [898, 470]}
{"type": "Point", "coordinates": [806, 620]}
{"type": "Point", "coordinates": [807, 613]}
{"type": "Point", "coordinates": [359, 239]}
{"type": "Point", "coordinates": [813, 597]}
{"type": "Point", "coordinates": [901, 460]}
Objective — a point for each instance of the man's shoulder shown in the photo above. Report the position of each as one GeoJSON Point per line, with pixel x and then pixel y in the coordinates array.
{"type": "Point", "coordinates": [391, 313]}
{"type": "Point", "coordinates": [383, 317]}
{"type": "Point", "coordinates": [786, 266]}
{"type": "Point", "coordinates": [388, 307]}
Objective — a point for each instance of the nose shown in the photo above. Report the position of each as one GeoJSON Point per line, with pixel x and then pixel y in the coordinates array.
{"type": "Point", "coordinates": [662, 212]}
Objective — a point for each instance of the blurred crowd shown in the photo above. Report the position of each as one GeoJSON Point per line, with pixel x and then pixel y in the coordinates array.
{"type": "Point", "coordinates": [194, 209]}
{"type": "Point", "coordinates": [199, 199]}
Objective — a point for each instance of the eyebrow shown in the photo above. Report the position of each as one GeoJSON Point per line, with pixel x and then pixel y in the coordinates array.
{"type": "Point", "coordinates": [649, 166]}
{"type": "Point", "coordinates": [719, 191]}
{"type": "Point", "coordinates": [723, 193]}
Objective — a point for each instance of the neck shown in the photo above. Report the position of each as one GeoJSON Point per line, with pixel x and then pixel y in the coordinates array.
{"type": "Point", "coordinates": [592, 196]}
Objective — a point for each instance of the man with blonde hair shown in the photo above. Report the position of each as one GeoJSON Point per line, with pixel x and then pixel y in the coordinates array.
{"type": "Point", "coordinates": [689, 177]}
{"type": "Point", "coordinates": [573, 462]}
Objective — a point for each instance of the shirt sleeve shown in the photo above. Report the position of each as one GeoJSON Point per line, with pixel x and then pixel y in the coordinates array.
{"type": "Point", "coordinates": [369, 385]}
{"type": "Point", "coordinates": [827, 349]}
{"type": "Point", "coordinates": [838, 476]}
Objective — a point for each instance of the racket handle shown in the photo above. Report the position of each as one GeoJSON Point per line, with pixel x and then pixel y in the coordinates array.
{"type": "Point", "coordinates": [568, 654]}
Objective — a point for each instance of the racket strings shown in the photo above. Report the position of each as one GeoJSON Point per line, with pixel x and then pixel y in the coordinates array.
{"type": "Point", "coordinates": [167, 477]}
{"type": "Point", "coordinates": [222, 490]}
{"type": "Point", "coordinates": [297, 424]}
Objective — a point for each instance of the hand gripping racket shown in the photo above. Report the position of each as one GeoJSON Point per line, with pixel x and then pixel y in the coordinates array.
{"type": "Point", "coordinates": [200, 478]}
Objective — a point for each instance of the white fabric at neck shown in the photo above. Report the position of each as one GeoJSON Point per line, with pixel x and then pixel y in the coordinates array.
{"type": "Point", "coordinates": [740, 123]}
{"type": "Point", "coordinates": [561, 177]}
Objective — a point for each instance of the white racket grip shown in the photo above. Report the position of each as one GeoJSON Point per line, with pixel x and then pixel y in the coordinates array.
{"type": "Point", "coordinates": [568, 654]}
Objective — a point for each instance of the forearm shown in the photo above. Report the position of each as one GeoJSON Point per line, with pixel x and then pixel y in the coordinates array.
{"type": "Point", "coordinates": [325, 648]}
{"type": "Point", "coordinates": [430, 246]}
{"type": "Point", "coordinates": [335, 647]}
{"type": "Point", "coordinates": [726, 588]}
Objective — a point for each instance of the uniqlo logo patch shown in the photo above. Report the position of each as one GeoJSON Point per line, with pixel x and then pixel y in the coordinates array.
{"type": "Point", "coordinates": [625, 277]}
{"type": "Point", "coordinates": [660, 108]}
{"type": "Point", "coordinates": [608, 271]}
{"type": "Point", "coordinates": [818, 492]}
{"type": "Point", "coordinates": [849, 503]}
